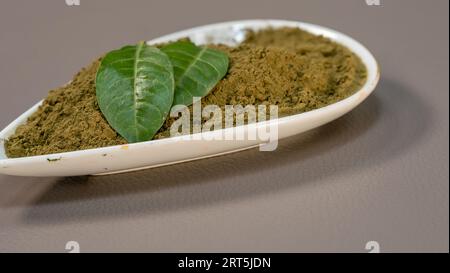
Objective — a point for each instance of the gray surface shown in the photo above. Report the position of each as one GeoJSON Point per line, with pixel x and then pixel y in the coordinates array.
{"type": "Point", "coordinates": [379, 173]}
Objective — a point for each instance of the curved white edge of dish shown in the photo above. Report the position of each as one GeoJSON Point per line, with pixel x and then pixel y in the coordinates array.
{"type": "Point", "coordinates": [129, 157]}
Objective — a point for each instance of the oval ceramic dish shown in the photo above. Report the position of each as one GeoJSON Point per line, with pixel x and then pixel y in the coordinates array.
{"type": "Point", "coordinates": [149, 154]}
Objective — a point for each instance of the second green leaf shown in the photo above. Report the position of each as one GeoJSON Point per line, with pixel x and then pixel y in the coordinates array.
{"type": "Point", "coordinates": [196, 70]}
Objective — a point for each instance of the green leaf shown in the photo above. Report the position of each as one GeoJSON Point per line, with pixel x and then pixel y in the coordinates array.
{"type": "Point", "coordinates": [135, 90]}
{"type": "Point", "coordinates": [197, 70]}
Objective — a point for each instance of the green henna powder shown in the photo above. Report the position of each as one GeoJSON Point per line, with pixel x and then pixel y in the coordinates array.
{"type": "Point", "coordinates": [288, 67]}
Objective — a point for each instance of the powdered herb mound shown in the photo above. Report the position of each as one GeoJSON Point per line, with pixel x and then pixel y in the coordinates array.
{"type": "Point", "coordinates": [69, 119]}
{"type": "Point", "coordinates": [288, 67]}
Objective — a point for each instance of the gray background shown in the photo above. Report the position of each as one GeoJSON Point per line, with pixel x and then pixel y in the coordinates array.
{"type": "Point", "coordinates": [379, 173]}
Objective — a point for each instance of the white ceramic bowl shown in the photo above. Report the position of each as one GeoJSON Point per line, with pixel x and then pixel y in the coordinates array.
{"type": "Point", "coordinates": [173, 150]}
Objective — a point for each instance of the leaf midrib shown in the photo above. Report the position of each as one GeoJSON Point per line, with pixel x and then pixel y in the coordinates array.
{"type": "Point", "coordinates": [191, 65]}
{"type": "Point", "coordinates": [135, 66]}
